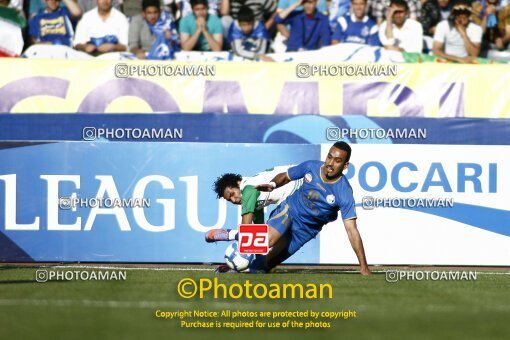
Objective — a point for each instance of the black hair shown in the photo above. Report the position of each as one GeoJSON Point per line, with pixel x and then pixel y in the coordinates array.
{"type": "Point", "coordinates": [462, 2]}
{"type": "Point", "coordinates": [402, 3]}
{"type": "Point", "coordinates": [245, 14]}
{"type": "Point", "coordinates": [226, 181]}
{"type": "Point", "coordinates": [454, 12]}
{"type": "Point", "coordinates": [345, 147]}
{"type": "Point", "coordinates": [150, 3]}
{"type": "Point", "coordinates": [193, 3]}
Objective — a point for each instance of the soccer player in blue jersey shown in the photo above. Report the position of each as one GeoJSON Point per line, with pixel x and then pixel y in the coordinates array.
{"type": "Point", "coordinates": [301, 216]}
{"type": "Point", "coordinates": [356, 27]}
{"type": "Point", "coordinates": [298, 219]}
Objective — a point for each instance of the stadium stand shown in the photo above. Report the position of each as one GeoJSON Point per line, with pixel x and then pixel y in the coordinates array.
{"type": "Point", "coordinates": [57, 22]}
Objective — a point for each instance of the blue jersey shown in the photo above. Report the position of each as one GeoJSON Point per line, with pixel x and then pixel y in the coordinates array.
{"type": "Point", "coordinates": [284, 4]}
{"type": "Point", "coordinates": [306, 33]}
{"type": "Point", "coordinates": [337, 9]}
{"type": "Point", "coordinates": [258, 32]}
{"type": "Point", "coordinates": [353, 31]}
{"type": "Point", "coordinates": [302, 215]}
{"type": "Point", "coordinates": [52, 27]}
{"type": "Point", "coordinates": [317, 202]}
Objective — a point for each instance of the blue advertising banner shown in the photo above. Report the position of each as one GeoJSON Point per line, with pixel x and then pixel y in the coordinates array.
{"type": "Point", "coordinates": [167, 185]}
{"type": "Point", "coordinates": [167, 202]}
{"type": "Point", "coordinates": [250, 128]}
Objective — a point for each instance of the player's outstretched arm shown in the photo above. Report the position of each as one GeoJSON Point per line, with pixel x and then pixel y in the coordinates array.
{"type": "Point", "coordinates": [279, 180]}
{"type": "Point", "coordinates": [357, 244]}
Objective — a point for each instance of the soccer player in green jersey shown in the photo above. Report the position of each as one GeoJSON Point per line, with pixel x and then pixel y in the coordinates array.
{"type": "Point", "coordinates": [241, 190]}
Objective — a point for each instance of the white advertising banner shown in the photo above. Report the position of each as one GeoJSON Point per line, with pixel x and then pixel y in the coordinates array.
{"type": "Point", "coordinates": [426, 205]}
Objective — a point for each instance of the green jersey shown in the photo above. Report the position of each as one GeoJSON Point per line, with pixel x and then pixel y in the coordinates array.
{"type": "Point", "coordinates": [254, 201]}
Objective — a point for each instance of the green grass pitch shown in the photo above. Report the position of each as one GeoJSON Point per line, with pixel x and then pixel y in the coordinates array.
{"type": "Point", "coordinates": [126, 309]}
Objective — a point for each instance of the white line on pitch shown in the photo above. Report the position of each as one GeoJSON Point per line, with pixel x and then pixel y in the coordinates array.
{"type": "Point", "coordinates": [136, 268]}
{"type": "Point", "coordinates": [109, 304]}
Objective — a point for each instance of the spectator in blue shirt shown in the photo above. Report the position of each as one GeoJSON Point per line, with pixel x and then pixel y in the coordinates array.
{"type": "Point", "coordinates": [321, 5]}
{"type": "Point", "coordinates": [309, 29]}
{"type": "Point", "coordinates": [53, 25]}
{"type": "Point", "coordinates": [337, 9]}
{"type": "Point", "coordinates": [248, 38]}
{"type": "Point", "coordinates": [284, 4]}
{"type": "Point", "coordinates": [357, 27]}
{"type": "Point", "coordinates": [39, 6]}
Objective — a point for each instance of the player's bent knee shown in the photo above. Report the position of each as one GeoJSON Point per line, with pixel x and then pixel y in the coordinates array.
{"type": "Point", "coordinates": [273, 236]}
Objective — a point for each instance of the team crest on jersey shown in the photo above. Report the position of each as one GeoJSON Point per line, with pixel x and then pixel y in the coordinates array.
{"type": "Point", "coordinates": [364, 31]}
{"type": "Point", "coordinates": [308, 177]}
{"type": "Point", "coordinates": [330, 199]}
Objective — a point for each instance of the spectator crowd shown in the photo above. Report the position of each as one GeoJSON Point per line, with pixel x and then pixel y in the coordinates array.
{"type": "Point", "coordinates": [456, 30]}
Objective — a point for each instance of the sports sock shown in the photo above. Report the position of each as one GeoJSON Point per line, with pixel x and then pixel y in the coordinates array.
{"type": "Point", "coordinates": [233, 235]}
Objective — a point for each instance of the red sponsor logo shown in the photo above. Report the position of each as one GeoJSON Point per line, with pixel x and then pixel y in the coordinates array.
{"type": "Point", "coordinates": [253, 239]}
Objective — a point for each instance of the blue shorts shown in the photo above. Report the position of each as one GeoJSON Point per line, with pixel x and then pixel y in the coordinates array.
{"type": "Point", "coordinates": [296, 233]}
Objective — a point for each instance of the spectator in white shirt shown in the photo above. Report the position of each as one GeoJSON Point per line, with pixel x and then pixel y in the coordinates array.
{"type": "Point", "coordinates": [458, 39]}
{"type": "Point", "coordinates": [399, 33]}
{"type": "Point", "coordinates": [101, 30]}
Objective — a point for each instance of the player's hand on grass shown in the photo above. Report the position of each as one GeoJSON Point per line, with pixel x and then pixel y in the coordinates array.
{"type": "Point", "coordinates": [365, 271]}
